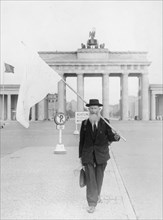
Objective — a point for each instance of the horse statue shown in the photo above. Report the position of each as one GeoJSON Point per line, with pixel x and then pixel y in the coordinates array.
{"type": "Point", "coordinates": [83, 46]}
{"type": "Point", "coordinates": [92, 42]}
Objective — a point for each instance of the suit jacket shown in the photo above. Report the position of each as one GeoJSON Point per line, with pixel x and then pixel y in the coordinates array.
{"type": "Point", "coordinates": [90, 145]}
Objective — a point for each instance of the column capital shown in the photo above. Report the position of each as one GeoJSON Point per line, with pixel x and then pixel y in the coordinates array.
{"type": "Point", "coordinates": [62, 74]}
{"type": "Point", "coordinates": [144, 73]}
{"type": "Point", "coordinates": [80, 73]}
{"type": "Point", "coordinates": [126, 73]}
{"type": "Point", "coordinates": [153, 93]}
{"type": "Point", "coordinates": [105, 74]}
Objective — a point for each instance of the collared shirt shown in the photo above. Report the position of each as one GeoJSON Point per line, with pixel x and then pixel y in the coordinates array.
{"type": "Point", "coordinates": [96, 125]}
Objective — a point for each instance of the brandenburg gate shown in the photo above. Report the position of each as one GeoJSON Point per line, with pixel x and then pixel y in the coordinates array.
{"type": "Point", "coordinates": [93, 60]}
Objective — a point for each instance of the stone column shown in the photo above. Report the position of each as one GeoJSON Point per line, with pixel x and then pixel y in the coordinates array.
{"type": "Point", "coordinates": [41, 110]}
{"type": "Point", "coordinates": [153, 106]}
{"type": "Point", "coordinates": [46, 108]}
{"type": "Point", "coordinates": [124, 96]}
{"type": "Point", "coordinates": [61, 96]}
{"type": "Point", "coordinates": [139, 99]}
{"type": "Point", "coordinates": [80, 90]}
{"type": "Point", "coordinates": [105, 94]}
{"type": "Point", "coordinates": [8, 107]}
{"type": "Point", "coordinates": [145, 97]}
{"type": "Point", "coordinates": [33, 113]}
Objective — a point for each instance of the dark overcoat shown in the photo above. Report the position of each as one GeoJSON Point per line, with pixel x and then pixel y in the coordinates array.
{"type": "Point", "coordinates": [90, 145]}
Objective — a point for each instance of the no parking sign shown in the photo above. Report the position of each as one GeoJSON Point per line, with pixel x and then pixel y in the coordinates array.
{"type": "Point", "coordinates": [60, 118]}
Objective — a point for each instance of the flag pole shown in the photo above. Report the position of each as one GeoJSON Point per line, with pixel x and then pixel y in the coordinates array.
{"type": "Point", "coordinates": [100, 116]}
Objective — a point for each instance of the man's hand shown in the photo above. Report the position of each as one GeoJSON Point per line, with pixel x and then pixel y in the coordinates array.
{"type": "Point", "coordinates": [116, 137]}
{"type": "Point", "coordinates": [109, 143]}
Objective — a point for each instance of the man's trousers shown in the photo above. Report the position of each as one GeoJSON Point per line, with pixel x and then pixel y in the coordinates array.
{"type": "Point", "coordinates": [94, 178]}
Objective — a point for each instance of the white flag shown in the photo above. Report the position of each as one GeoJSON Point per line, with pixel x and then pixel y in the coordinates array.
{"type": "Point", "coordinates": [39, 80]}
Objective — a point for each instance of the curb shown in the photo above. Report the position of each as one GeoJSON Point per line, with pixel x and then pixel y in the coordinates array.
{"type": "Point", "coordinates": [130, 211]}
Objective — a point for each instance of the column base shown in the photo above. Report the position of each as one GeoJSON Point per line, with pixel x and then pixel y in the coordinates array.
{"type": "Point", "coordinates": [76, 132]}
{"type": "Point", "coordinates": [60, 149]}
{"type": "Point", "coordinates": [145, 118]}
{"type": "Point", "coordinates": [2, 124]}
{"type": "Point", "coordinates": [124, 119]}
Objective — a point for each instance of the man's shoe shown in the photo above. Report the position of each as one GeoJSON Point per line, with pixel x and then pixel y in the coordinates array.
{"type": "Point", "coordinates": [91, 209]}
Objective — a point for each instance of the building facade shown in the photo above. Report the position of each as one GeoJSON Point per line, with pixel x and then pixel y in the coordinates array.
{"type": "Point", "coordinates": [156, 101]}
{"type": "Point", "coordinates": [8, 101]}
{"type": "Point", "coordinates": [93, 60]}
{"type": "Point", "coordinates": [44, 110]}
{"type": "Point", "coordinates": [47, 108]}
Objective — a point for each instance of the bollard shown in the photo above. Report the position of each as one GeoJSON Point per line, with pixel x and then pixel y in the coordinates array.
{"type": "Point", "coordinates": [76, 130]}
{"type": "Point", "coordinates": [60, 120]}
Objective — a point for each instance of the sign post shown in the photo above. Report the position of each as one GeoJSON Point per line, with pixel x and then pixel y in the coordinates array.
{"type": "Point", "coordinates": [60, 120]}
{"type": "Point", "coordinates": [79, 117]}
{"type": "Point", "coordinates": [76, 129]}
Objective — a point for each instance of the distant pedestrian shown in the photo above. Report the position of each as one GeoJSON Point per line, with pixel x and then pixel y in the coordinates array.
{"type": "Point", "coordinates": [95, 137]}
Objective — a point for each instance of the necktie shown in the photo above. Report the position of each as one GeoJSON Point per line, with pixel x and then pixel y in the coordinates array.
{"type": "Point", "coordinates": [94, 131]}
{"type": "Point", "coordinates": [94, 128]}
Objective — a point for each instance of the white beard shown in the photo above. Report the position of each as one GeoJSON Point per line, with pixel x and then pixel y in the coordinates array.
{"type": "Point", "coordinates": [94, 118]}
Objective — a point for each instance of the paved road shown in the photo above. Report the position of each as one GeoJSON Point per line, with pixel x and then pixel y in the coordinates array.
{"type": "Point", "coordinates": [140, 163]}
{"type": "Point", "coordinates": [37, 184]}
{"type": "Point", "coordinates": [138, 160]}
{"type": "Point", "coordinates": [15, 137]}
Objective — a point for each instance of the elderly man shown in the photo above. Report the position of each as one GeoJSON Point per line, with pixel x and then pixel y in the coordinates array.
{"type": "Point", "coordinates": [95, 137]}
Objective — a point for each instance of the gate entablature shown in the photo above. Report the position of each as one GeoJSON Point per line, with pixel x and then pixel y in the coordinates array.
{"type": "Point", "coordinates": [96, 60]}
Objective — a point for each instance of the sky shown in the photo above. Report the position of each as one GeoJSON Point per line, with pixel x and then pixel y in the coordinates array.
{"type": "Point", "coordinates": [64, 25]}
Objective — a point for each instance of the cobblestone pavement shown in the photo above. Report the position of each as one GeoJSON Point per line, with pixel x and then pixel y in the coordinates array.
{"type": "Point", "coordinates": [38, 184]}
